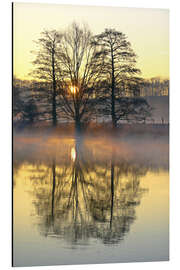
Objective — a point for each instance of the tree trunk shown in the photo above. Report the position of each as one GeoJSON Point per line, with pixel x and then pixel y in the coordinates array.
{"type": "Point", "coordinates": [78, 126]}
{"type": "Point", "coordinates": [54, 114]}
{"type": "Point", "coordinates": [112, 93]}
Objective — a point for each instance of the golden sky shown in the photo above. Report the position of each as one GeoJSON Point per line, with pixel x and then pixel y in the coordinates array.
{"type": "Point", "coordinates": [146, 29]}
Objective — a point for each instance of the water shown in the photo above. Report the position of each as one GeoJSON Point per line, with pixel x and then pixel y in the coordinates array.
{"type": "Point", "coordinates": [90, 200]}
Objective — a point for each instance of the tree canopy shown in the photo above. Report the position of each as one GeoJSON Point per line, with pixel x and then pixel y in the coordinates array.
{"type": "Point", "coordinates": [81, 76]}
{"type": "Point", "coordinates": [119, 65]}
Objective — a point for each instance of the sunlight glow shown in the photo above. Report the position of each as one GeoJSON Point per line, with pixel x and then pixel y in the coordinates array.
{"type": "Point", "coordinates": [73, 89]}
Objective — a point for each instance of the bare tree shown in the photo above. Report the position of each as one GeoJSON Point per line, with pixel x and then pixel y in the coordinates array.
{"type": "Point", "coordinates": [45, 65]}
{"type": "Point", "coordinates": [80, 69]}
{"type": "Point", "coordinates": [119, 60]}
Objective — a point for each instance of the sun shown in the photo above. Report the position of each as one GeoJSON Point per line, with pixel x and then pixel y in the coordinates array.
{"type": "Point", "coordinates": [73, 89]}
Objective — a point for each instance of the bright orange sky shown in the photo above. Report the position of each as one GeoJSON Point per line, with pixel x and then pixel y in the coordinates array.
{"type": "Point", "coordinates": [146, 29]}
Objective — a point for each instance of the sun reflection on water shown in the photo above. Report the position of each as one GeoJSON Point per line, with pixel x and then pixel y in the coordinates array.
{"type": "Point", "coordinates": [73, 154]}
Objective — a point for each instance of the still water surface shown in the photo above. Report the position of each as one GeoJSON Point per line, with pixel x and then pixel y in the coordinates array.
{"type": "Point", "coordinates": [90, 200]}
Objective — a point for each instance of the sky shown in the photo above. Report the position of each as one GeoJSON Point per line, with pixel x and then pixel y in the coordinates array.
{"type": "Point", "coordinates": [146, 29]}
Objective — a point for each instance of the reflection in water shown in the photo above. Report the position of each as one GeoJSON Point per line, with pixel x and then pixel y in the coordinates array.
{"type": "Point", "coordinates": [87, 194]}
{"type": "Point", "coordinates": [84, 200]}
{"type": "Point", "coordinates": [73, 154]}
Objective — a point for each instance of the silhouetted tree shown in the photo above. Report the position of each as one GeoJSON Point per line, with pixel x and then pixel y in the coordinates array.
{"type": "Point", "coordinates": [24, 105]}
{"type": "Point", "coordinates": [29, 111]}
{"type": "Point", "coordinates": [46, 68]}
{"type": "Point", "coordinates": [17, 101]}
{"type": "Point", "coordinates": [119, 61]}
{"type": "Point", "coordinates": [81, 70]}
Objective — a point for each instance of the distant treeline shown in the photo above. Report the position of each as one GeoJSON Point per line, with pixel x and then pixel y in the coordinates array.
{"type": "Point", "coordinates": [155, 86]}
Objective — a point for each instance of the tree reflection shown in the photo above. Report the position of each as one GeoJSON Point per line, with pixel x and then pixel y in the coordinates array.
{"type": "Point", "coordinates": [82, 200]}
